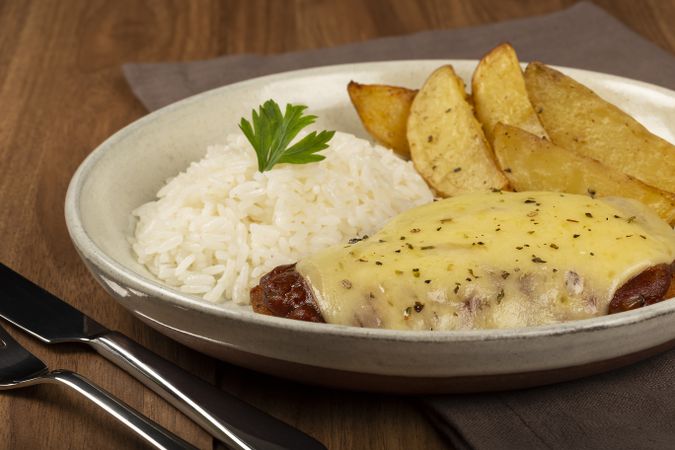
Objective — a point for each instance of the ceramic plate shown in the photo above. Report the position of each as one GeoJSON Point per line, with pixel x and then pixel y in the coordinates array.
{"type": "Point", "coordinates": [128, 169]}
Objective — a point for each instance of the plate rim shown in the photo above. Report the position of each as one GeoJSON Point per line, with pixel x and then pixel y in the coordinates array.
{"type": "Point", "coordinates": [88, 249]}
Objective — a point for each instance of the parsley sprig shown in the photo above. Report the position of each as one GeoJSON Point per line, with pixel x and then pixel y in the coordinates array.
{"type": "Point", "coordinates": [272, 132]}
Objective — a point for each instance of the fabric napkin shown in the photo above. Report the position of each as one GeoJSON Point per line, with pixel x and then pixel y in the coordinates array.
{"type": "Point", "coordinates": [628, 408]}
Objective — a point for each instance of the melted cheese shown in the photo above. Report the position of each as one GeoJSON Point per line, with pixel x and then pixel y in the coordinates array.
{"type": "Point", "coordinates": [495, 260]}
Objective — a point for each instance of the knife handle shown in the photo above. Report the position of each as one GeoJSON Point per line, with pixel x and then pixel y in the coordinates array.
{"type": "Point", "coordinates": [224, 416]}
{"type": "Point", "coordinates": [151, 432]}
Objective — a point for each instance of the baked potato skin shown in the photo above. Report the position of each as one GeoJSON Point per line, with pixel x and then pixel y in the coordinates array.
{"type": "Point", "coordinates": [384, 111]}
{"type": "Point", "coordinates": [499, 93]}
{"type": "Point", "coordinates": [447, 143]}
{"type": "Point", "coordinates": [577, 119]}
{"type": "Point", "coordinates": [531, 163]}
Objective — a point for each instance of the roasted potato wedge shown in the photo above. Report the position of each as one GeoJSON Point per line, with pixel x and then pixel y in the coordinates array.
{"type": "Point", "coordinates": [447, 144]}
{"type": "Point", "coordinates": [384, 111]}
{"type": "Point", "coordinates": [577, 119]}
{"type": "Point", "coordinates": [531, 163]}
{"type": "Point", "coordinates": [499, 93]}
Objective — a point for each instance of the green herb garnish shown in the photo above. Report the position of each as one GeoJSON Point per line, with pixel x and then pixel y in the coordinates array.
{"type": "Point", "coordinates": [272, 132]}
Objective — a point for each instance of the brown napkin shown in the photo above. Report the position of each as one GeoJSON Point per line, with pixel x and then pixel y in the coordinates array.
{"type": "Point", "coordinates": [626, 409]}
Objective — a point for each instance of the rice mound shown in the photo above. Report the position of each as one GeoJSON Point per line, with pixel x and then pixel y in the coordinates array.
{"type": "Point", "coordinates": [216, 228]}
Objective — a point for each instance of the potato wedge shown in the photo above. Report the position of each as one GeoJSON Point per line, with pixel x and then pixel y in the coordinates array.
{"type": "Point", "coordinates": [531, 163]}
{"type": "Point", "coordinates": [577, 119]}
{"type": "Point", "coordinates": [384, 111]}
{"type": "Point", "coordinates": [447, 144]}
{"type": "Point", "coordinates": [499, 93]}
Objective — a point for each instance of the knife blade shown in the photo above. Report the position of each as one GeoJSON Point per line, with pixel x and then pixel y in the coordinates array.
{"type": "Point", "coordinates": [223, 415]}
{"type": "Point", "coordinates": [42, 314]}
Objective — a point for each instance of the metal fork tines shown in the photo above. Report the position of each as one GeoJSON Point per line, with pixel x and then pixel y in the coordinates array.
{"type": "Point", "coordinates": [19, 368]}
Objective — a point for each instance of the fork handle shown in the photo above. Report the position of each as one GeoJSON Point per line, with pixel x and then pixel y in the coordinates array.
{"type": "Point", "coordinates": [151, 432]}
{"type": "Point", "coordinates": [224, 416]}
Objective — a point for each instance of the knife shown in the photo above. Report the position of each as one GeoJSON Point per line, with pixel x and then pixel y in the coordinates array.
{"type": "Point", "coordinates": [223, 415]}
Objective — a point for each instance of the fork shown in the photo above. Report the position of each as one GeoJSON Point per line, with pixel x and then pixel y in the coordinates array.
{"type": "Point", "coordinates": [20, 368]}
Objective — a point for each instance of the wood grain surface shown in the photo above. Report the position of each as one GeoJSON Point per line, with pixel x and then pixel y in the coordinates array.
{"type": "Point", "coordinates": [62, 93]}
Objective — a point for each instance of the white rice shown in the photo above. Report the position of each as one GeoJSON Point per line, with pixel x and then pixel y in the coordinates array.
{"type": "Point", "coordinates": [220, 225]}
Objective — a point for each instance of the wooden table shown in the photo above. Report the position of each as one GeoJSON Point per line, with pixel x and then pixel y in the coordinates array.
{"type": "Point", "coordinates": [62, 93]}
